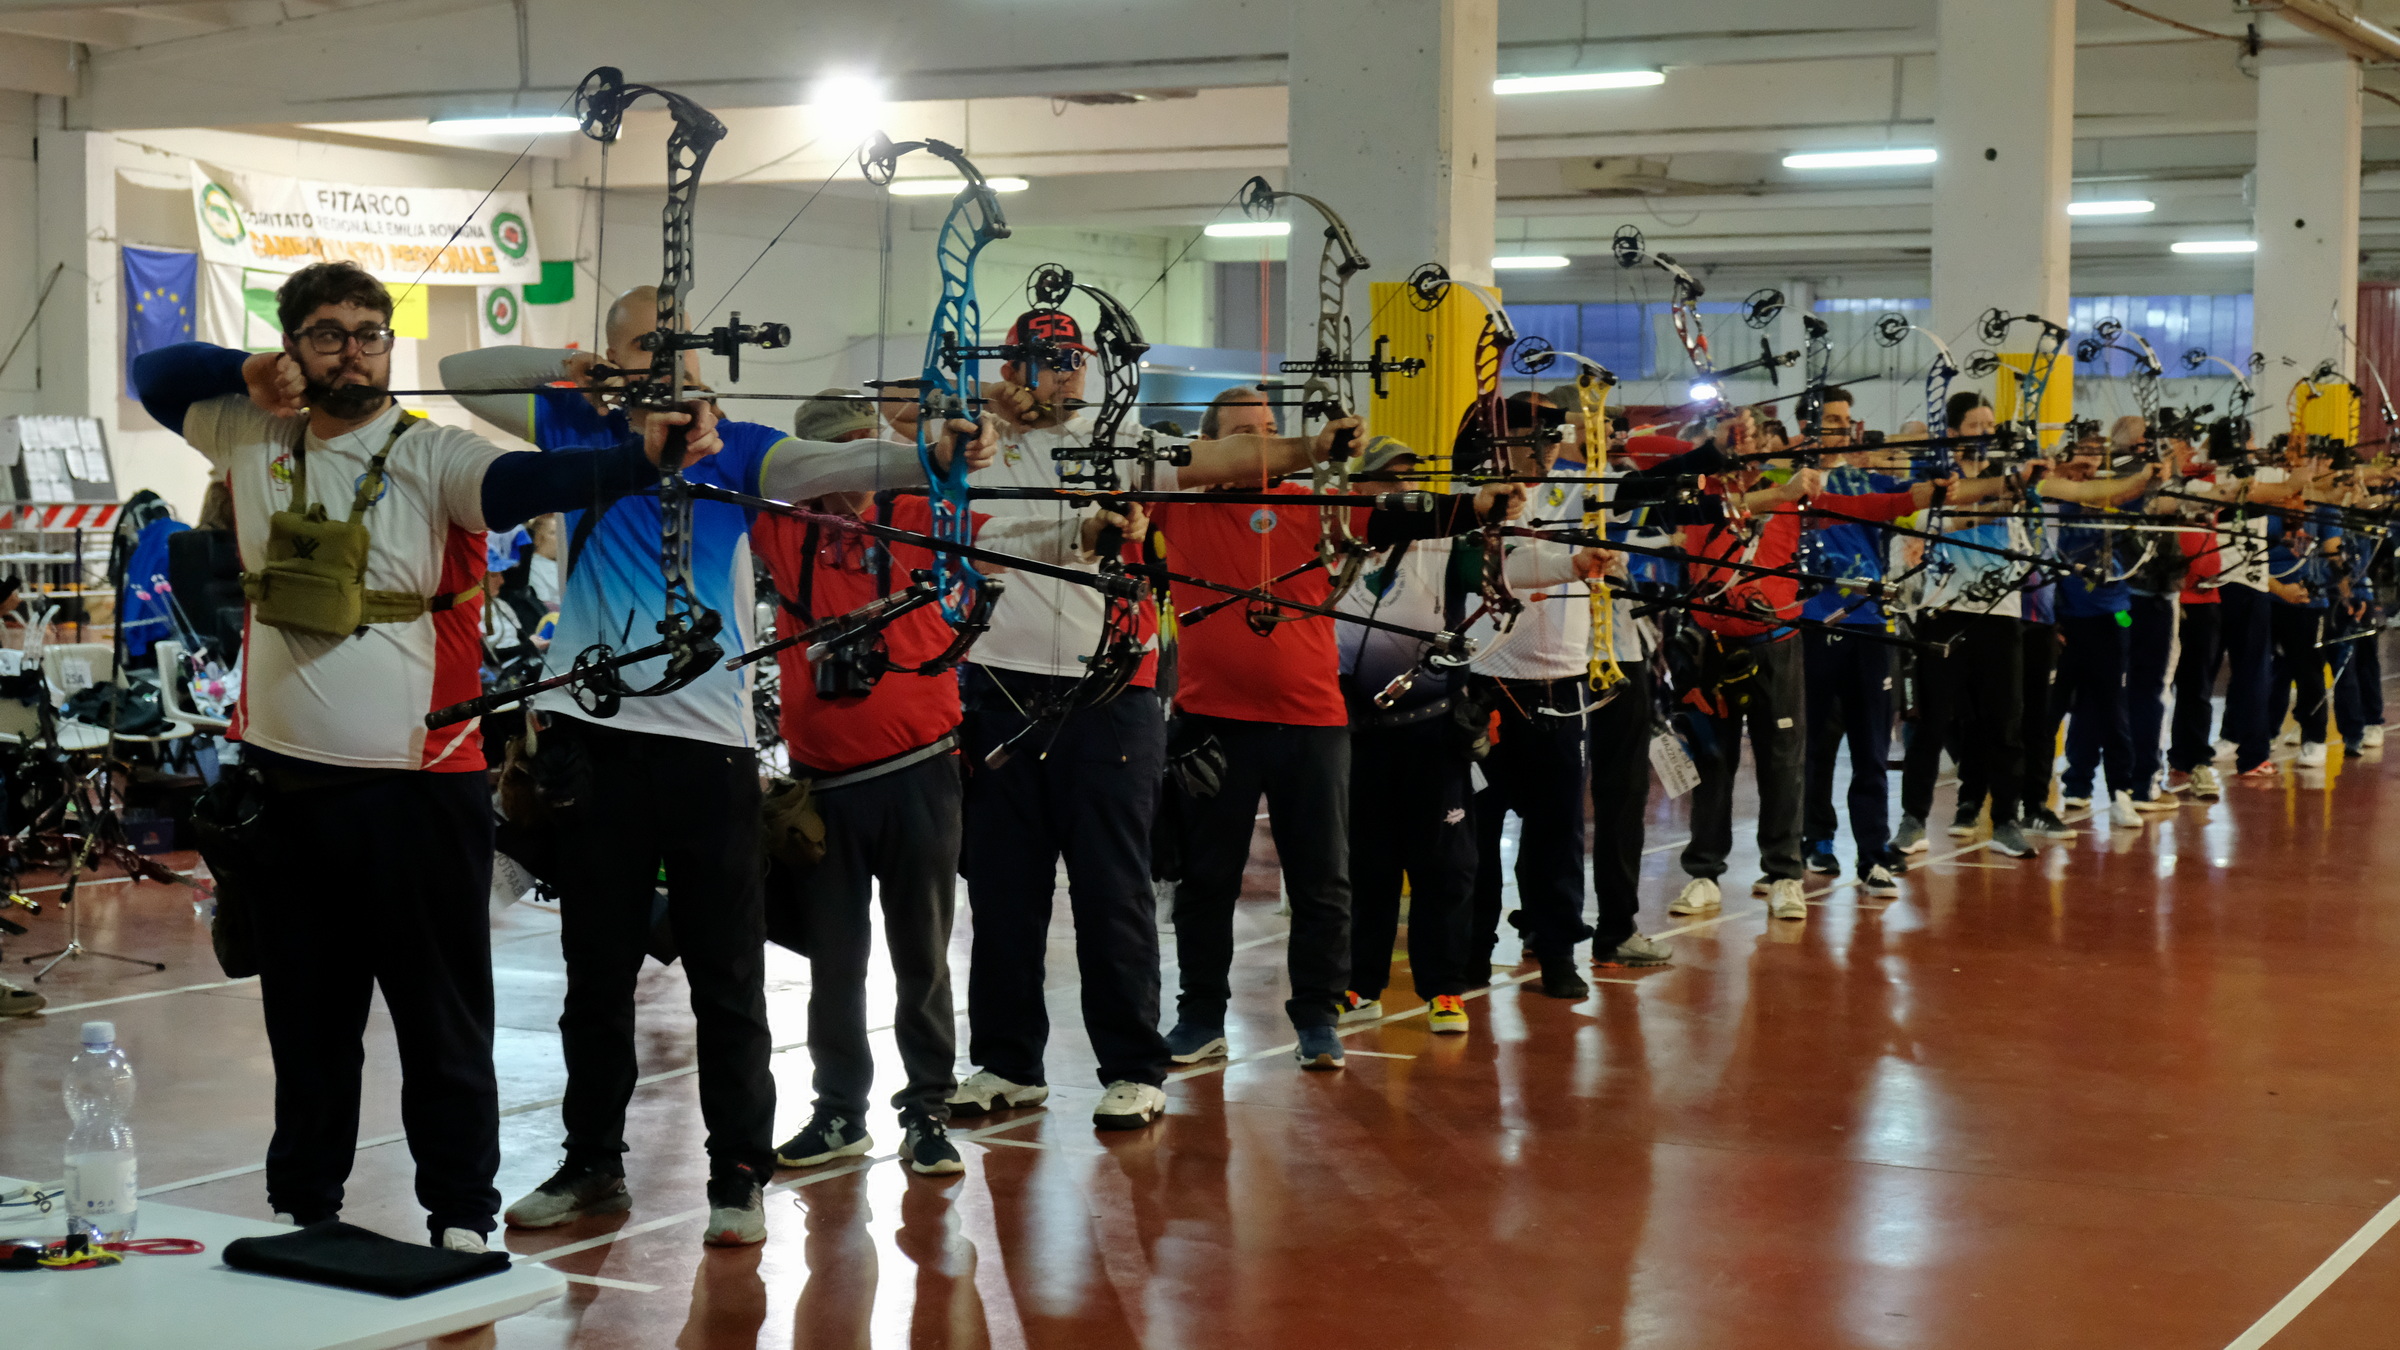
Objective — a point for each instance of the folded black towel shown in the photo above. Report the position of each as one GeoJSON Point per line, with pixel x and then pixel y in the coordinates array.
{"type": "Point", "coordinates": [340, 1254]}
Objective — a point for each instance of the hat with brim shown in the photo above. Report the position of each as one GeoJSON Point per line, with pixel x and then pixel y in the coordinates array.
{"type": "Point", "coordinates": [833, 414]}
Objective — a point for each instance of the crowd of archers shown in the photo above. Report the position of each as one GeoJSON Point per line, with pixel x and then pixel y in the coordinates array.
{"type": "Point", "coordinates": [1011, 628]}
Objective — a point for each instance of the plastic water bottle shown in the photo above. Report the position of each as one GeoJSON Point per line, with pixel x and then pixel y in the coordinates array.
{"type": "Point", "coordinates": [100, 1159]}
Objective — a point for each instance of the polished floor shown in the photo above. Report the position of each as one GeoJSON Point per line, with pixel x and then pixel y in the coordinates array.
{"type": "Point", "coordinates": [2128, 1094]}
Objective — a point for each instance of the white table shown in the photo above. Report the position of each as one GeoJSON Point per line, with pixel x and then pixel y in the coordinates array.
{"type": "Point", "coordinates": [201, 1303]}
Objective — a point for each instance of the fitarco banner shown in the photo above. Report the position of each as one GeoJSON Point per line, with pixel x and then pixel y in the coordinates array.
{"type": "Point", "coordinates": [401, 234]}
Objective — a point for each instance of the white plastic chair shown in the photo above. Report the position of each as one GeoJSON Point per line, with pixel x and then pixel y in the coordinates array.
{"type": "Point", "coordinates": [72, 667]}
{"type": "Point", "coordinates": [170, 688]}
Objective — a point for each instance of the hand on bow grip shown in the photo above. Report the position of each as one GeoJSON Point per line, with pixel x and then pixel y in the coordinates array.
{"type": "Point", "coordinates": [1337, 440]}
{"type": "Point", "coordinates": [1499, 501]}
{"type": "Point", "coordinates": [1132, 523]}
{"type": "Point", "coordinates": [698, 421]}
{"type": "Point", "coordinates": [981, 438]}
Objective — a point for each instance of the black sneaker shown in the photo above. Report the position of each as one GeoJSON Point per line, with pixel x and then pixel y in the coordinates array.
{"type": "Point", "coordinates": [925, 1144]}
{"type": "Point", "coordinates": [737, 1210]}
{"type": "Point", "coordinates": [826, 1139]}
{"type": "Point", "coordinates": [1559, 976]}
{"type": "Point", "coordinates": [573, 1191]}
{"type": "Point", "coordinates": [1821, 861]}
{"type": "Point", "coordinates": [2046, 824]}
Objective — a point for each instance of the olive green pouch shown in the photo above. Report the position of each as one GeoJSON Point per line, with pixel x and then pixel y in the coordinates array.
{"type": "Point", "coordinates": [315, 577]}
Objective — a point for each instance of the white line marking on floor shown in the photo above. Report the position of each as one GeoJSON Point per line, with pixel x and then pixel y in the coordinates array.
{"type": "Point", "coordinates": [1375, 1054]}
{"type": "Point", "coordinates": [55, 1010]}
{"type": "Point", "coordinates": [2319, 1280]}
{"type": "Point", "coordinates": [606, 1283]}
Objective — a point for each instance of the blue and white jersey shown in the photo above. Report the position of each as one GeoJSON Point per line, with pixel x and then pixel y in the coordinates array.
{"type": "Point", "coordinates": [1846, 549]}
{"type": "Point", "coordinates": [1970, 581]}
{"type": "Point", "coordinates": [615, 594]}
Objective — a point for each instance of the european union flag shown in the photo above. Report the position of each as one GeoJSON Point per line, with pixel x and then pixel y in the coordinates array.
{"type": "Point", "coordinates": [162, 296]}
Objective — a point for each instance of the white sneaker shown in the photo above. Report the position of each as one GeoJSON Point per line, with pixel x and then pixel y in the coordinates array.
{"type": "Point", "coordinates": [1784, 900]}
{"type": "Point", "coordinates": [984, 1092]}
{"type": "Point", "coordinates": [1128, 1106]}
{"type": "Point", "coordinates": [462, 1240]}
{"type": "Point", "coordinates": [2164, 801]}
{"type": "Point", "coordinates": [2073, 803]}
{"type": "Point", "coordinates": [2312, 755]}
{"type": "Point", "coordinates": [2370, 738]}
{"type": "Point", "coordinates": [2205, 784]}
{"type": "Point", "coordinates": [2121, 813]}
{"type": "Point", "coordinates": [1700, 896]}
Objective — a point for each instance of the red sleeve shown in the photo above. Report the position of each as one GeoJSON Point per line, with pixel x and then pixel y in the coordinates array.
{"type": "Point", "coordinates": [1871, 505]}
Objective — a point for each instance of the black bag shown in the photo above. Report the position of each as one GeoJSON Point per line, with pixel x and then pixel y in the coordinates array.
{"type": "Point", "coordinates": [134, 709]}
{"type": "Point", "coordinates": [349, 1257]}
{"type": "Point", "coordinates": [227, 828]}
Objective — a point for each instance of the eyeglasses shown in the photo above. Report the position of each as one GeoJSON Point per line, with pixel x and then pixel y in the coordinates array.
{"type": "Point", "coordinates": [329, 339]}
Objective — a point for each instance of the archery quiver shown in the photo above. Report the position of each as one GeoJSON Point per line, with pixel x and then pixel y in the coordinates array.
{"type": "Point", "coordinates": [315, 577]}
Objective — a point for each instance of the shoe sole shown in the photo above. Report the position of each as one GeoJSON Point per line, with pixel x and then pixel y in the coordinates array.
{"type": "Point", "coordinates": [1920, 846]}
{"type": "Point", "coordinates": [972, 1107]}
{"type": "Point", "coordinates": [733, 1237]}
{"type": "Point", "coordinates": [947, 1167]}
{"type": "Point", "coordinates": [1360, 1015]}
{"type": "Point", "coordinates": [1643, 963]}
{"type": "Point", "coordinates": [1961, 832]}
{"type": "Point", "coordinates": [1319, 1061]}
{"type": "Point", "coordinates": [1680, 908]}
{"type": "Point", "coordinates": [1216, 1049]}
{"type": "Point", "coordinates": [1139, 1122]}
{"type": "Point", "coordinates": [1580, 990]}
{"type": "Point", "coordinates": [865, 1142]}
{"type": "Point", "coordinates": [1449, 1029]}
{"type": "Point", "coordinates": [615, 1204]}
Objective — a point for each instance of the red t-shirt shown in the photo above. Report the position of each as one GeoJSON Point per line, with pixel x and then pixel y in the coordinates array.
{"type": "Point", "coordinates": [902, 711]}
{"type": "Point", "coordinates": [1778, 540]}
{"type": "Point", "coordinates": [1225, 668]}
{"type": "Point", "coordinates": [2204, 562]}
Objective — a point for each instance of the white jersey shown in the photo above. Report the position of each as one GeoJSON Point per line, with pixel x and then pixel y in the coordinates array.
{"type": "Point", "coordinates": [360, 701]}
{"type": "Point", "coordinates": [1044, 626]}
{"type": "Point", "coordinates": [1552, 637]}
{"type": "Point", "coordinates": [2243, 549]}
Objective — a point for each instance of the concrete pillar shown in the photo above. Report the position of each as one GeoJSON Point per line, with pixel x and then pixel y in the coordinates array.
{"type": "Point", "coordinates": [1392, 126]}
{"type": "Point", "coordinates": [81, 351]}
{"type": "Point", "coordinates": [2305, 274]}
{"type": "Point", "coordinates": [2003, 127]}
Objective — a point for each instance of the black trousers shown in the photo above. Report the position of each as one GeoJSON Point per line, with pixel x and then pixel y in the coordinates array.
{"type": "Point", "coordinates": [1620, 733]}
{"type": "Point", "coordinates": [2148, 645]}
{"type": "Point", "coordinates": [1089, 799]}
{"type": "Point", "coordinates": [382, 881]}
{"type": "Point", "coordinates": [1304, 773]}
{"type": "Point", "coordinates": [1412, 815]}
{"type": "Point", "coordinates": [1849, 698]}
{"type": "Point", "coordinates": [895, 837]}
{"type": "Point", "coordinates": [2195, 681]}
{"type": "Point", "coordinates": [691, 808]}
{"type": "Point", "coordinates": [2091, 686]}
{"type": "Point", "coordinates": [1773, 722]}
{"type": "Point", "coordinates": [1972, 699]}
{"type": "Point", "coordinates": [1536, 769]}
{"type": "Point", "coordinates": [2044, 710]}
{"type": "Point", "coordinates": [2358, 682]}
{"type": "Point", "coordinates": [2299, 671]}
{"type": "Point", "coordinates": [2249, 657]}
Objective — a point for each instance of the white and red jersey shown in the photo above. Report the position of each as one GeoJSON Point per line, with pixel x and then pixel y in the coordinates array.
{"type": "Point", "coordinates": [360, 702]}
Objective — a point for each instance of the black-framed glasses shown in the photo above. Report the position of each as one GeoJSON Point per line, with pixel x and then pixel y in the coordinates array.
{"type": "Point", "coordinates": [328, 339]}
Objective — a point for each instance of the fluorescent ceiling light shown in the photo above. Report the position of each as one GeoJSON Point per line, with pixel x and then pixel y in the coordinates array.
{"type": "Point", "coordinates": [1530, 262]}
{"type": "Point", "coordinates": [847, 89]}
{"type": "Point", "coordinates": [1590, 79]}
{"type": "Point", "coordinates": [532, 124]}
{"type": "Point", "coordinates": [1857, 159]}
{"type": "Point", "coordinates": [2215, 246]}
{"type": "Point", "coordinates": [2135, 207]}
{"type": "Point", "coordinates": [1703, 392]}
{"type": "Point", "coordinates": [948, 187]}
{"type": "Point", "coordinates": [1249, 229]}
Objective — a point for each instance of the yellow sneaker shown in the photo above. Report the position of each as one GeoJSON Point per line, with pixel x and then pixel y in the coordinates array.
{"type": "Point", "coordinates": [1449, 1014]}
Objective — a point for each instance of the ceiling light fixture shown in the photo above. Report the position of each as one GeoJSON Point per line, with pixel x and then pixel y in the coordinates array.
{"type": "Point", "coordinates": [2134, 207]}
{"type": "Point", "coordinates": [1703, 391]}
{"type": "Point", "coordinates": [1858, 159]}
{"type": "Point", "coordinates": [531, 124]}
{"type": "Point", "coordinates": [1590, 79]}
{"type": "Point", "coordinates": [2215, 246]}
{"type": "Point", "coordinates": [1249, 229]}
{"type": "Point", "coordinates": [1529, 262]}
{"type": "Point", "coordinates": [948, 187]}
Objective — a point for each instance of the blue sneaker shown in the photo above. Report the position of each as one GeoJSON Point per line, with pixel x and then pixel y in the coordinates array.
{"type": "Point", "coordinates": [1319, 1048]}
{"type": "Point", "coordinates": [1188, 1044]}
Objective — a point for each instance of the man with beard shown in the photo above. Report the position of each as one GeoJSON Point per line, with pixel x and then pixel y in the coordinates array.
{"type": "Point", "coordinates": [381, 832]}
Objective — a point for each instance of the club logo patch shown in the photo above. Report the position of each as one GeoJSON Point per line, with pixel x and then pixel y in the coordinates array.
{"type": "Point", "coordinates": [1264, 520]}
